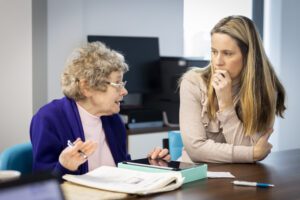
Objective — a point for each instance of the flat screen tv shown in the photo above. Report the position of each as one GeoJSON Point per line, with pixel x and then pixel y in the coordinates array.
{"type": "Point", "coordinates": [142, 56]}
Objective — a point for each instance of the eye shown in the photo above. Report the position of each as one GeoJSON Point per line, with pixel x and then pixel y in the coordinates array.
{"type": "Point", "coordinates": [214, 52]}
{"type": "Point", "coordinates": [228, 53]}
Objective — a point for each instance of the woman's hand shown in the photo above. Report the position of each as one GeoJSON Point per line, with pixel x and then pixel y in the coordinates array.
{"type": "Point", "coordinates": [71, 158]}
{"type": "Point", "coordinates": [158, 152]}
{"type": "Point", "coordinates": [221, 82]}
{"type": "Point", "coordinates": [262, 147]}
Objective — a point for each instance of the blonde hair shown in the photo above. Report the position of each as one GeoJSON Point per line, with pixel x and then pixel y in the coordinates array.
{"type": "Point", "coordinates": [261, 95]}
{"type": "Point", "coordinates": [93, 62]}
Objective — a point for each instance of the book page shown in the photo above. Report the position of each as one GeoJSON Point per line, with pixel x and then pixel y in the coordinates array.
{"type": "Point", "coordinates": [78, 192]}
{"type": "Point", "coordinates": [128, 181]}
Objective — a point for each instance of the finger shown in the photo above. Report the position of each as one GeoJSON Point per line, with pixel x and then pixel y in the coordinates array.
{"type": "Point", "coordinates": [150, 153]}
{"type": "Point", "coordinates": [153, 162]}
{"type": "Point", "coordinates": [78, 144]}
{"type": "Point", "coordinates": [167, 158]}
{"type": "Point", "coordinates": [163, 153]}
{"type": "Point", "coordinates": [270, 146]}
{"type": "Point", "coordinates": [220, 76]}
{"type": "Point", "coordinates": [222, 73]}
{"type": "Point", "coordinates": [215, 84]}
{"type": "Point", "coordinates": [71, 151]}
{"type": "Point", "coordinates": [162, 163]}
{"type": "Point", "coordinates": [155, 153]}
{"type": "Point", "coordinates": [88, 145]}
{"type": "Point", "coordinates": [90, 148]}
{"type": "Point", "coordinates": [269, 131]}
{"type": "Point", "coordinates": [266, 136]}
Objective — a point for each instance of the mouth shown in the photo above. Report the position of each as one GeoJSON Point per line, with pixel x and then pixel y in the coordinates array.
{"type": "Point", "coordinates": [118, 102]}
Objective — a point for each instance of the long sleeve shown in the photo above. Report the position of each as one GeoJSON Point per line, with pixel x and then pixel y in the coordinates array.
{"type": "Point", "coordinates": [233, 129]}
{"type": "Point", "coordinates": [59, 121]}
{"type": "Point", "coordinates": [194, 134]}
{"type": "Point", "coordinates": [51, 127]}
{"type": "Point", "coordinates": [47, 146]}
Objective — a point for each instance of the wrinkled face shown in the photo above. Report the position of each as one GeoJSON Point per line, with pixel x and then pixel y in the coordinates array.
{"type": "Point", "coordinates": [108, 102]}
{"type": "Point", "coordinates": [226, 54]}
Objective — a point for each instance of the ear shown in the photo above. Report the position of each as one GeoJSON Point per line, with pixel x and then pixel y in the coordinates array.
{"type": "Point", "coordinates": [85, 90]}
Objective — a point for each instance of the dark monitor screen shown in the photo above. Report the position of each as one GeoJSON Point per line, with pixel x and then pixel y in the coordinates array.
{"type": "Point", "coordinates": [37, 186]}
{"type": "Point", "coordinates": [142, 56]}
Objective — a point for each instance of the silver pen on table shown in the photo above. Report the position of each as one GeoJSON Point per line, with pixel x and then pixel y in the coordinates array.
{"type": "Point", "coordinates": [254, 184]}
{"type": "Point", "coordinates": [70, 144]}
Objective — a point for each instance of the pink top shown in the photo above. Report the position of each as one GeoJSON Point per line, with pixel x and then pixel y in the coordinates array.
{"type": "Point", "coordinates": [92, 128]}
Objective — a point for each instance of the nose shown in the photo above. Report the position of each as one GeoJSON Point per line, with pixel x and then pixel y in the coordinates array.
{"type": "Point", "coordinates": [124, 92]}
{"type": "Point", "coordinates": [219, 61]}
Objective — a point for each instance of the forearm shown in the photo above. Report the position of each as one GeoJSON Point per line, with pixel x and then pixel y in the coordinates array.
{"type": "Point", "coordinates": [211, 151]}
{"type": "Point", "coordinates": [233, 129]}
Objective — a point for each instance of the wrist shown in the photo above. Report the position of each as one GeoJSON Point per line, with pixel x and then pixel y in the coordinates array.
{"type": "Point", "coordinates": [67, 165]}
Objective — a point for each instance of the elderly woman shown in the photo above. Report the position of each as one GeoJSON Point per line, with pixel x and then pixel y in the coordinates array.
{"type": "Point", "coordinates": [83, 131]}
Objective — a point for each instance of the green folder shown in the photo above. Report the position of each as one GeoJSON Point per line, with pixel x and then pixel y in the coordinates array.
{"type": "Point", "coordinates": [191, 174]}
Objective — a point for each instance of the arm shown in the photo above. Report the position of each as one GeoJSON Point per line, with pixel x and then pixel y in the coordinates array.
{"type": "Point", "coordinates": [195, 140]}
{"type": "Point", "coordinates": [232, 127]}
{"type": "Point", "coordinates": [47, 145]}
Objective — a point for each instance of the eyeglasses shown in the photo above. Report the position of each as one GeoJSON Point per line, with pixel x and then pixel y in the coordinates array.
{"type": "Point", "coordinates": [120, 85]}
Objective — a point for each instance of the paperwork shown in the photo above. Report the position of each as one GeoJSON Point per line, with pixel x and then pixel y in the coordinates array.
{"type": "Point", "coordinates": [219, 175]}
{"type": "Point", "coordinates": [128, 181]}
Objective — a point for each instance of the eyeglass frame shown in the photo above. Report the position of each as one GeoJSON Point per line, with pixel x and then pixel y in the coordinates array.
{"type": "Point", "coordinates": [120, 85]}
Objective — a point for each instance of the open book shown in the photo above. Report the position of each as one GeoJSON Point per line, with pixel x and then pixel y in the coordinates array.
{"type": "Point", "coordinates": [128, 181]}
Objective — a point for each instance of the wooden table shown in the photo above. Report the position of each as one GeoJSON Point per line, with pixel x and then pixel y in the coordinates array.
{"type": "Point", "coordinates": [279, 168]}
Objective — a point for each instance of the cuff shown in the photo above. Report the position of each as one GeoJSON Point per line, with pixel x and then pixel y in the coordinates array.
{"type": "Point", "coordinates": [242, 154]}
{"type": "Point", "coordinates": [61, 170]}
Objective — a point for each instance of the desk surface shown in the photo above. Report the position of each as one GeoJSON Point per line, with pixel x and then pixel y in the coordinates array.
{"type": "Point", "coordinates": [280, 168]}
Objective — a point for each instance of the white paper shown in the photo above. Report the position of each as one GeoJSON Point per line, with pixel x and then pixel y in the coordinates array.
{"type": "Point", "coordinates": [128, 181]}
{"type": "Point", "coordinates": [219, 175]}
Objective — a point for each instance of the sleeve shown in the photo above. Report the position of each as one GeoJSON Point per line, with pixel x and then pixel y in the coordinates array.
{"type": "Point", "coordinates": [196, 143]}
{"type": "Point", "coordinates": [46, 145]}
{"type": "Point", "coordinates": [233, 129]}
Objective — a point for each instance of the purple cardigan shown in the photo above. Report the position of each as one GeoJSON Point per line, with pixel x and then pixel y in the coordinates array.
{"type": "Point", "coordinates": [59, 121]}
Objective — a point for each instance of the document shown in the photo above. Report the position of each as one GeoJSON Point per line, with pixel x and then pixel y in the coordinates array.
{"type": "Point", "coordinates": [128, 181]}
{"type": "Point", "coordinates": [219, 175]}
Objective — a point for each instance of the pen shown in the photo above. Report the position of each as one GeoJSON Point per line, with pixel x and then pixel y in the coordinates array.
{"type": "Point", "coordinates": [254, 184]}
{"type": "Point", "coordinates": [70, 144]}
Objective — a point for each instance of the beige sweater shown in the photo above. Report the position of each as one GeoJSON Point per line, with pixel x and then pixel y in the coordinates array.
{"type": "Point", "coordinates": [221, 140]}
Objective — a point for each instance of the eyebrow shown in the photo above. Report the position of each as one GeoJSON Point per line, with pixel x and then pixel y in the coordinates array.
{"type": "Point", "coordinates": [223, 50]}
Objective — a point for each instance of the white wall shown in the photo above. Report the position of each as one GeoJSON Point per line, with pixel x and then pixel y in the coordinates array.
{"type": "Point", "coordinates": [289, 136]}
{"type": "Point", "coordinates": [65, 32]}
{"type": "Point", "coordinates": [282, 45]}
{"type": "Point", "coordinates": [16, 71]}
{"type": "Point", "coordinates": [200, 16]}
{"type": "Point", "coordinates": [70, 21]}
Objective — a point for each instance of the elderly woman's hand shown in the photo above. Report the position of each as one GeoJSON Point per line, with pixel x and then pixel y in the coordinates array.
{"type": "Point", "coordinates": [159, 153]}
{"type": "Point", "coordinates": [71, 158]}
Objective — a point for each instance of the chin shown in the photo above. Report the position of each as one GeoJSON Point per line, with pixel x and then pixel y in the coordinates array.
{"type": "Point", "coordinates": [115, 111]}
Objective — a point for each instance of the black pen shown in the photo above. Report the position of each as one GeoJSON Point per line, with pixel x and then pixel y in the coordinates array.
{"type": "Point", "coordinates": [70, 144]}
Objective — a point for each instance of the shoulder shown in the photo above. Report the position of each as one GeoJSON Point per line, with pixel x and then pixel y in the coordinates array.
{"type": "Point", "coordinates": [53, 109]}
{"type": "Point", "coordinates": [195, 77]}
